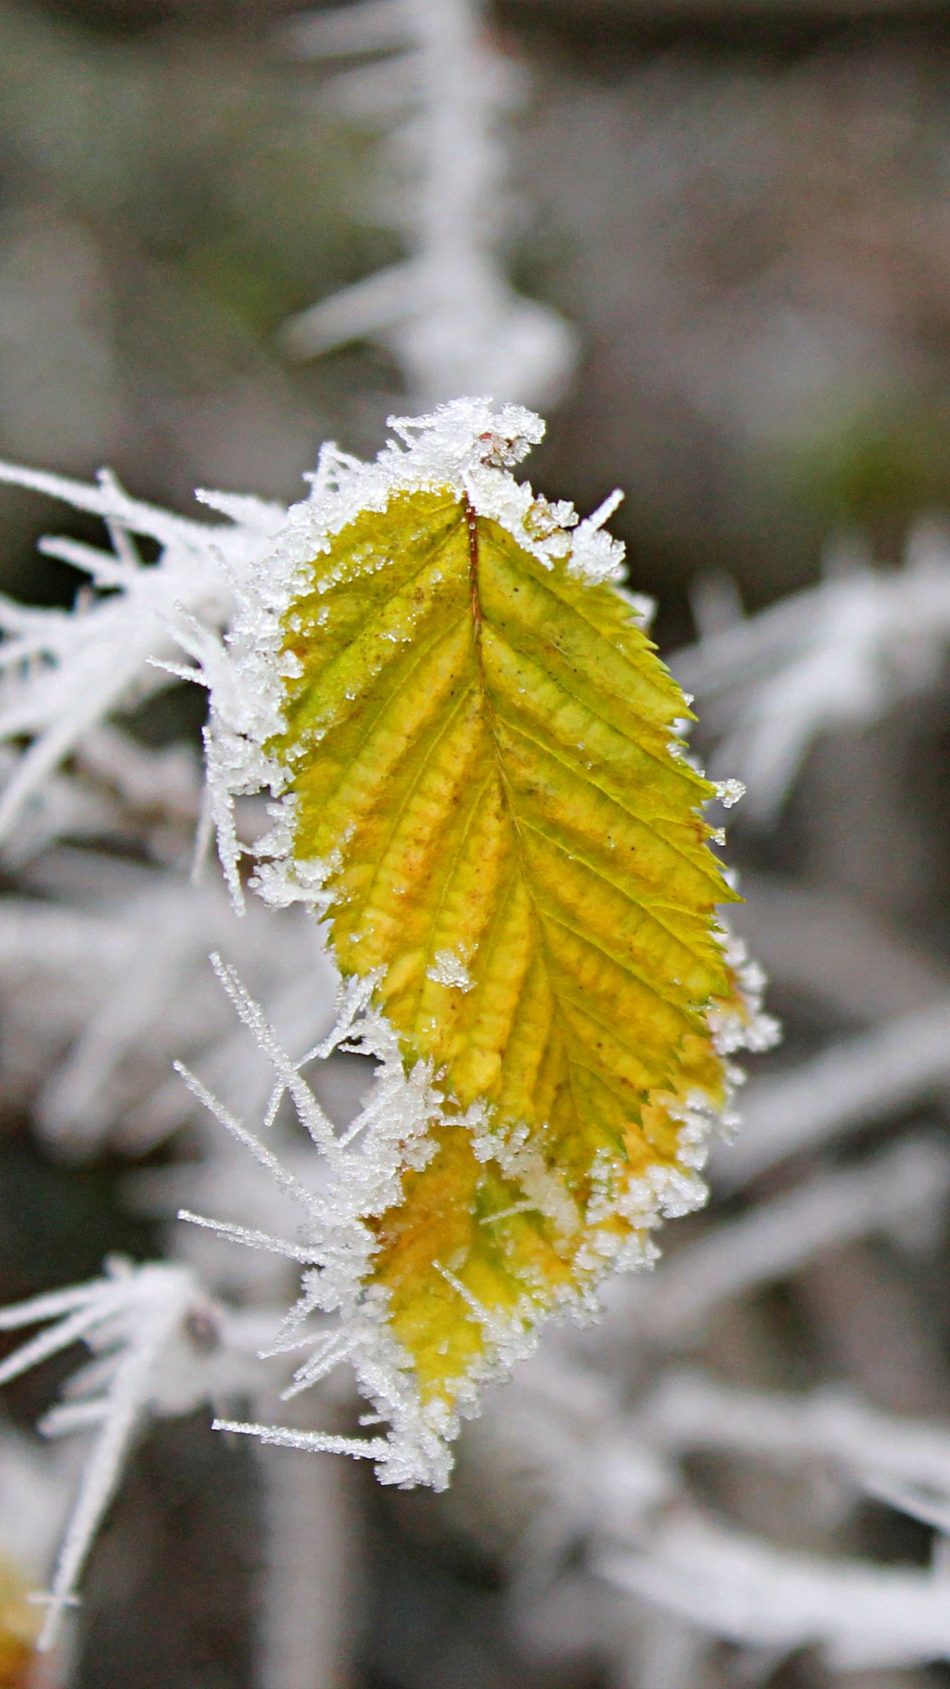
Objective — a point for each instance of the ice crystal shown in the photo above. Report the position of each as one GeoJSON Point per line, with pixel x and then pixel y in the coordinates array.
{"type": "Point", "coordinates": [448, 969]}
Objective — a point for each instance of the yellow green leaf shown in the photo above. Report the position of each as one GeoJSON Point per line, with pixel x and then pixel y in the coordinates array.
{"type": "Point", "coordinates": [478, 752]}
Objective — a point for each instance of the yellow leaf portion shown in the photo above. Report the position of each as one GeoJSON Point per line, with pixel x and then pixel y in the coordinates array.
{"type": "Point", "coordinates": [480, 747]}
{"type": "Point", "coordinates": [19, 1629]}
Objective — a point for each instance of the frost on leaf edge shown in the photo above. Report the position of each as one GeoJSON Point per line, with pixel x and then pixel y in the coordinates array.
{"type": "Point", "coordinates": [470, 446]}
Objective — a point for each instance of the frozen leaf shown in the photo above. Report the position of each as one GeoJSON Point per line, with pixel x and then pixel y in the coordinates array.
{"type": "Point", "coordinates": [475, 748]}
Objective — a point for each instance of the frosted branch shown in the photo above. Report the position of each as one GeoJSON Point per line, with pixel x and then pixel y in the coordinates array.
{"type": "Point", "coordinates": [873, 1449]}
{"type": "Point", "coordinates": [448, 312]}
{"type": "Point", "coordinates": [136, 1323]}
{"type": "Point", "coordinates": [107, 979]}
{"type": "Point", "coordinates": [895, 1191]}
{"type": "Point", "coordinates": [855, 1082]}
{"type": "Point", "coordinates": [65, 674]}
{"type": "Point", "coordinates": [747, 1592]}
{"type": "Point", "coordinates": [840, 653]}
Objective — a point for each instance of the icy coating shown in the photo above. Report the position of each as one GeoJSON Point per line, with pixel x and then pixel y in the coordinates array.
{"type": "Point", "coordinates": [465, 449]}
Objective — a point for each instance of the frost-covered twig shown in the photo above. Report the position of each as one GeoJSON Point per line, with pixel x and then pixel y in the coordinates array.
{"type": "Point", "coordinates": [106, 980]}
{"type": "Point", "coordinates": [137, 1321]}
{"type": "Point", "coordinates": [35, 1483]}
{"type": "Point", "coordinates": [855, 1082]}
{"type": "Point", "coordinates": [838, 654]}
{"type": "Point", "coordinates": [894, 1193]}
{"type": "Point", "coordinates": [114, 791]}
{"type": "Point", "coordinates": [690, 1411]}
{"type": "Point", "coordinates": [448, 311]}
{"type": "Point", "coordinates": [310, 1599]}
{"type": "Point", "coordinates": [747, 1591]}
{"type": "Point", "coordinates": [67, 672]}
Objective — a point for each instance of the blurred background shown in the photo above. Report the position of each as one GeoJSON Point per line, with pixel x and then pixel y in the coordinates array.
{"type": "Point", "coordinates": [711, 242]}
{"type": "Point", "coordinates": [741, 211]}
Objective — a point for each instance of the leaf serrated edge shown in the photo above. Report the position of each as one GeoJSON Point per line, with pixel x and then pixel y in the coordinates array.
{"type": "Point", "coordinates": [465, 448]}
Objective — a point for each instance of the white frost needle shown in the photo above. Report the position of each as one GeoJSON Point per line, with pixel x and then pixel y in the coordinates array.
{"type": "Point", "coordinates": [267, 1160]}
{"type": "Point", "coordinates": [310, 1113]}
{"type": "Point", "coordinates": [253, 1239]}
{"type": "Point", "coordinates": [321, 1442]}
